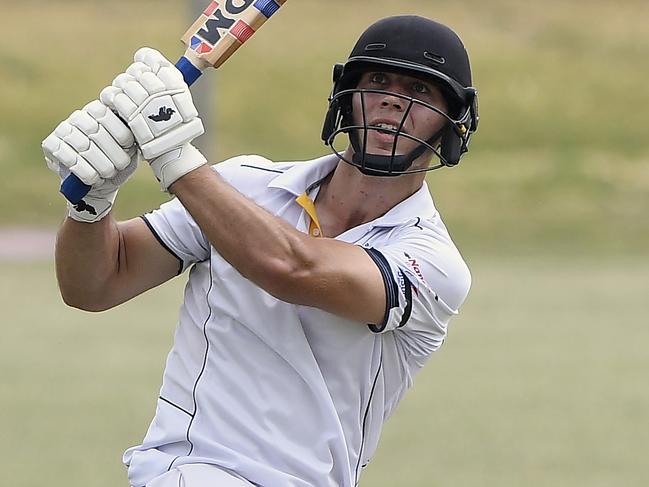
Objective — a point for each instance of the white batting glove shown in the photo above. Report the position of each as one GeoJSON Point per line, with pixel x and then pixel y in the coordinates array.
{"type": "Point", "coordinates": [152, 97]}
{"type": "Point", "coordinates": [96, 146]}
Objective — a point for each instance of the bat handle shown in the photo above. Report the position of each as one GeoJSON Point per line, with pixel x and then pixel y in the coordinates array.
{"type": "Point", "coordinates": [73, 188]}
{"type": "Point", "coordinates": [189, 70]}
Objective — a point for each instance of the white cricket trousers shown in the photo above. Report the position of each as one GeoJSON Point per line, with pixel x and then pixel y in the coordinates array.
{"type": "Point", "coordinates": [198, 475]}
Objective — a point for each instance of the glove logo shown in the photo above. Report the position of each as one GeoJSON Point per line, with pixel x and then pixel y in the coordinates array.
{"type": "Point", "coordinates": [83, 206]}
{"type": "Point", "coordinates": [164, 115]}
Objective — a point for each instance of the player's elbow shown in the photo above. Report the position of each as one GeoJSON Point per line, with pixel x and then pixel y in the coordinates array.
{"type": "Point", "coordinates": [84, 300]}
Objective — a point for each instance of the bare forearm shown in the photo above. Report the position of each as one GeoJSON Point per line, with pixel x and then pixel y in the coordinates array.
{"type": "Point", "coordinates": [259, 245]}
{"type": "Point", "coordinates": [87, 255]}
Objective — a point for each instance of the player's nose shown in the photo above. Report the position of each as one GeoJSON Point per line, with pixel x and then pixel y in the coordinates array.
{"type": "Point", "coordinates": [392, 100]}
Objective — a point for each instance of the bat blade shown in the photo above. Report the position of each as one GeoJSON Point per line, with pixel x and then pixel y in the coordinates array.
{"type": "Point", "coordinates": [222, 28]}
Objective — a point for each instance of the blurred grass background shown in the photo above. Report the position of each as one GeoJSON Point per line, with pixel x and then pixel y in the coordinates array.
{"type": "Point", "coordinates": [541, 380]}
{"type": "Point", "coordinates": [559, 161]}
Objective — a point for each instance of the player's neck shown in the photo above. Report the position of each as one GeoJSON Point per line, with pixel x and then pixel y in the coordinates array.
{"type": "Point", "coordinates": [349, 198]}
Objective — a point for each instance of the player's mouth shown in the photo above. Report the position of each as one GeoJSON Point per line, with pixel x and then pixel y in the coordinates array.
{"type": "Point", "coordinates": [386, 126]}
{"type": "Point", "coordinates": [383, 133]}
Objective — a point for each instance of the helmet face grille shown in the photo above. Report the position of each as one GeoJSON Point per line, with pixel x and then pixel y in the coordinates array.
{"type": "Point", "coordinates": [398, 161]}
{"type": "Point", "coordinates": [417, 47]}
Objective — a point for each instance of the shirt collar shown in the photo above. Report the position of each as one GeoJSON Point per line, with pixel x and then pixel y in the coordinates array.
{"type": "Point", "coordinates": [418, 205]}
{"type": "Point", "coordinates": [304, 175]}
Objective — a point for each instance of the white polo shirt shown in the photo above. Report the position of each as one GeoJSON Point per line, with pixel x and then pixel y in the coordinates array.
{"type": "Point", "coordinates": [286, 395]}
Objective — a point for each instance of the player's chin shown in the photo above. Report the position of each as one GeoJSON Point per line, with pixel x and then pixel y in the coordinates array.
{"type": "Point", "coordinates": [387, 148]}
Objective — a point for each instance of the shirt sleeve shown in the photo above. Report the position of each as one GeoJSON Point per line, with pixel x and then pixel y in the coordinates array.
{"type": "Point", "coordinates": [176, 230]}
{"type": "Point", "coordinates": [426, 282]}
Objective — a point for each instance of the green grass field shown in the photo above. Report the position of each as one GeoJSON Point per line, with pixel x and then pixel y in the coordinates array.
{"type": "Point", "coordinates": [542, 382]}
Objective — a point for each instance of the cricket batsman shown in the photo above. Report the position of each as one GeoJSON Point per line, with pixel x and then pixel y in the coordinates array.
{"type": "Point", "coordinates": [316, 289]}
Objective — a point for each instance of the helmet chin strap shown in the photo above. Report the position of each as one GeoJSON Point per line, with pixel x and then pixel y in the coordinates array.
{"type": "Point", "coordinates": [392, 165]}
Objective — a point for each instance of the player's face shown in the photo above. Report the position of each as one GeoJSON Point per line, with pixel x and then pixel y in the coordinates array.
{"type": "Point", "coordinates": [391, 108]}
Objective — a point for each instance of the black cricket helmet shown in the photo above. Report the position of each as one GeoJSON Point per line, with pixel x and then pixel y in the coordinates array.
{"type": "Point", "coordinates": [417, 47]}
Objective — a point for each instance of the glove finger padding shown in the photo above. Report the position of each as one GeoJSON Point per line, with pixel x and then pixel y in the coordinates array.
{"type": "Point", "coordinates": [83, 122]}
{"type": "Point", "coordinates": [74, 137]}
{"type": "Point", "coordinates": [107, 96]}
{"type": "Point", "coordinates": [125, 107]}
{"type": "Point", "coordinates": [60, 170]}
{"type": "Point", "coordinates": [98, 148]}
{"type": "Point", "coordinates": [152, 58]}
{"type": "Point", "coordinates": [151, 83]}
{"type": "Point", "coordinates": [101, 150]}
{"type": "Point", "coordinates": [172, 78]}
{"type": "Point", "coordinates": [59, 152]}
{"type": "Point", "coordinates": [136, 92]}
{"type": "Point", "coordinates": [83, 145]}
{"type": "Point", "coordinates": [137, 68]}
{"type": "Point", "coordinates": [122, 79]}
{"type": "Point", "coordinates": [111, 122]}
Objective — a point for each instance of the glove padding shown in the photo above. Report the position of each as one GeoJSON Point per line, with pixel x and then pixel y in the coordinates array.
{"type": "Point", "coordinates": [154, 100]}
{"type": "Point", "coordinates": [96, 146]}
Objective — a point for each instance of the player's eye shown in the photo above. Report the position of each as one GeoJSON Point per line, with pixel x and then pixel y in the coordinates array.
{"type": "Point", "coordinates": [378, 78]}
{"type": "Point", "coordinates": [420, 88]}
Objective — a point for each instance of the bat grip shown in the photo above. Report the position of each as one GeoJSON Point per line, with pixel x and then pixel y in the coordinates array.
{"type": "Point", "coordinates": [190, 72]}
{"type": "Point", "coordinates": [73, 188]}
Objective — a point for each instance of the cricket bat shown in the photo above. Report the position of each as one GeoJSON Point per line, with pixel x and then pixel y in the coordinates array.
{"type": "Point", "coordinates": [220, 30]}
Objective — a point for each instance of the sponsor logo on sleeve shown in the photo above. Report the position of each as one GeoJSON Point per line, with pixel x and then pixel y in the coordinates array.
{"type": "Point", "coordinates": [401, 282]}
{"type": "Point", "coordinates": [414, 266]}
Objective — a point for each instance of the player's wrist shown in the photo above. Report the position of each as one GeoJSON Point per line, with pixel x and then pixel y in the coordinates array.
{"type": "Point", "coordinates": [97, 204]}
{"type": "Point", "coordinates": [173, 165]}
